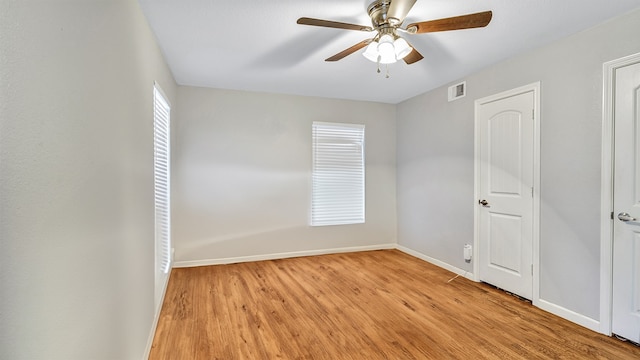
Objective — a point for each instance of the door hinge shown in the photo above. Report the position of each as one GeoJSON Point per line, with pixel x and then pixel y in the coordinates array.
{"type": "Point", "coordinates": [612, 215]}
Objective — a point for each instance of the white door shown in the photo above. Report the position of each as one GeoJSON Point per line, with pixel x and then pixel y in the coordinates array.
{"type": "Point", "coordinates": [505, 192]}
{"type": "Point", "coordinates": [626, 204]}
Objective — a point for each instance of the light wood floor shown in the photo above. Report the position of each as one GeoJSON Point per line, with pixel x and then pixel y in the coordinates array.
{"type": "Point", "coordinates": [369, 305]}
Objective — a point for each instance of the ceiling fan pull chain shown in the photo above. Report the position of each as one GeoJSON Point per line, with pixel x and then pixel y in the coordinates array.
{"type": "Point", "coordinates": [379, 57]}
{"type": "Point", "coordinates": [387, 75]}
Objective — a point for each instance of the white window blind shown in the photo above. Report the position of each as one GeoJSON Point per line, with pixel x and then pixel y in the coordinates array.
{"type": "Point", "coordinates": [161, 121]}
{"type": "Point", "coordinates": [338, 191]}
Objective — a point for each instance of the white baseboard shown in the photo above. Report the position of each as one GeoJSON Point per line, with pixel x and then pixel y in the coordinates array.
{"type": "Point", "coordinates": [442, 264]}
{"type": "Point", "coordinates": [554, 309]}
{"type": "Point", "coordinates": [192, 263]}
{"type": "Point", "coordinates": [567, 314]}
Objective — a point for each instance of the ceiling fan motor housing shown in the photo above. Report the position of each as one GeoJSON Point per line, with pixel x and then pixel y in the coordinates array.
{"type": "Point", "coordinates": [378, 13]}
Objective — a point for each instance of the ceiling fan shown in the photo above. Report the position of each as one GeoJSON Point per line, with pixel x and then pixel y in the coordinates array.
{"type": "Point", "coordinates": [387, 46]}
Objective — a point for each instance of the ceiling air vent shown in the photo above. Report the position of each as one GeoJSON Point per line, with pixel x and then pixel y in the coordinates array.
{"type": "Point", "coordinates": [457, 91]}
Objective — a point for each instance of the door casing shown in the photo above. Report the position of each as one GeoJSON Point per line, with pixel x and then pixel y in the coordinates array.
{"type": "Point", "coordinates": [535, 88]}
{"type": "Point", "coordinates": [606, 190]}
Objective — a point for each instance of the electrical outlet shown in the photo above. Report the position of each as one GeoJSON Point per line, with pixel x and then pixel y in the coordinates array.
{"type": "Point", "coordinates": [467, 252]}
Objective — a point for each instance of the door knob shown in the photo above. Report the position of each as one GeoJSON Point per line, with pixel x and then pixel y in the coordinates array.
{"type": "Point", "coordinates": [483, 202]}
{"type": "Point", "coordinates": [623, 216]}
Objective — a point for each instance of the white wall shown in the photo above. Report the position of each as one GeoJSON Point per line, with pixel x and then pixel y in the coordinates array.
{"type": "Point", "coordinates": [242, 175]}
{"type": "Point", "coordinates": [76, 179]}
{"type": "Point", "coordinates": [435, 161]}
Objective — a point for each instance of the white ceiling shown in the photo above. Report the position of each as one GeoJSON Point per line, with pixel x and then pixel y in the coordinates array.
{"type": "Point", "coordinates": [257, 45]}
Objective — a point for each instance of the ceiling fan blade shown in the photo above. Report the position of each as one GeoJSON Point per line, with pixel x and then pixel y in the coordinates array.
{"type": "Point", "coordinates": [332, 24]}
{"type": "Point", "coordinates": [414, 56]}
{"type": "Point", "coordinates": [399, 9]}
{"type": "Point", "coordinates": [476, 20]}
{"type": "Point", "coordinates": [349, 51]}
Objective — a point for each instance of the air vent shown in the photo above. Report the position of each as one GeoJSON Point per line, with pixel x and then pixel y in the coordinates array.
{"type": "Point", "coordinates": [457, 91]}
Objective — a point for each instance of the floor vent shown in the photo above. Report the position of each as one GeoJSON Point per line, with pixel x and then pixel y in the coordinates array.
{"type": "Point", "coordinates": [457, 91]}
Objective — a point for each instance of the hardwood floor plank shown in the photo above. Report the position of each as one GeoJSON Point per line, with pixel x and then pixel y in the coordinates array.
{"type": "Point", "coordinates": [370, 305]}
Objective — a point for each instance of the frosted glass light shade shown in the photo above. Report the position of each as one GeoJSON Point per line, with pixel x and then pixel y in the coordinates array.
{"type": "Point", "coordinates": [402, 48]}
{"type": "Point", "coordinates": [387, 53]}
{"type": "Point", "coordinates": [386, 50]}
{"type": "Point", "coordinates": [371, 52]}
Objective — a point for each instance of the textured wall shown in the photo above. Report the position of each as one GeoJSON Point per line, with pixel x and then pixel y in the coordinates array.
{"type": "Point", "coordinates": [242, 180]}
{"type": "Point", "coordinates": [435, 160]}
{"type": "Point", "coordinates": [76, 179]}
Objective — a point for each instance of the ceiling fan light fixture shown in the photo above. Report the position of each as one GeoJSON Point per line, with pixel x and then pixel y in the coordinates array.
{"type": "Point", "coordinates": [386, 50]}
{"type": "Point", "coordinates": [402, 48]}
{"type": "Point", "coordinates": [371, 52]}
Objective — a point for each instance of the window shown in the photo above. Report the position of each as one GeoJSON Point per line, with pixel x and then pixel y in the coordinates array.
{"type": "Point", "coordinates": [161, 118]}
{"type": "Point", "coordinates": [338, 174]}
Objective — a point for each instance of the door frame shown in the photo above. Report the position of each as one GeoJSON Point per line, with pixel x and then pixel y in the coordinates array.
{"type": "Point", "coordinates": [606, 190]}
{"type": "Point", "coordinates": [535, 88]}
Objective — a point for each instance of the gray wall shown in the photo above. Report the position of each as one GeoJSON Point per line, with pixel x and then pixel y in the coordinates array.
{"type": "Point", "coordinates": [242, 178]}
{"type": "Point", "coordinates": [76, 179]}
{"type": "Point", "coordinates": [435, 160]}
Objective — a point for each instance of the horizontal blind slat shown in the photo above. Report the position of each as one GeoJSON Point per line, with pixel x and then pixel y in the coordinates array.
{"type": "Point", "coordinates": [162, 113]}
{"type": "Point", "coordinates": [338, 174]}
